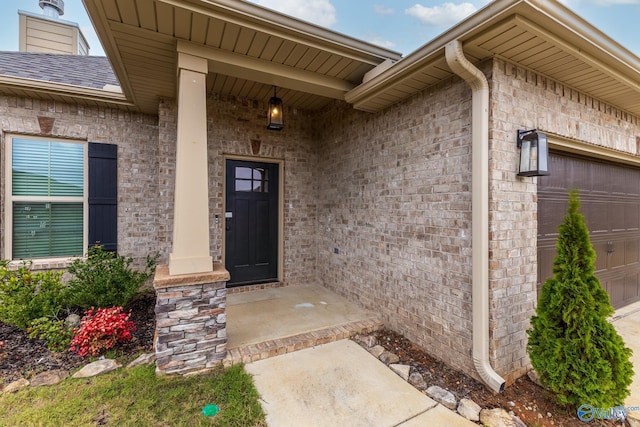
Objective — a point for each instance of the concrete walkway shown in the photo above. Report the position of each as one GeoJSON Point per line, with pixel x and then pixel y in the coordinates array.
{"type": "Point", "coordinates": [292, 342]}
{"type": "Point", "coordinates": [627, 322]}
{"type": "Point", "coordinates": [341, 384]}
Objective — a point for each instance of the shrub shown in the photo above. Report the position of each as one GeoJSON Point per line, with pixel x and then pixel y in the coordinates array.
{"type": "Point", "coordinates": [576, 352]}
{"type": "Point", "coordinates": [54, 332]}
{"type": "Point", "coordinates": [100, 330]}
{"type": "Point", "coordinates": [26, 296]}
{"type": "Point", "coordinates": [105, 279]}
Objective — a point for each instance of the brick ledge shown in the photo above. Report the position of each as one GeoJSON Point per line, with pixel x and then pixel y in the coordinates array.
{"type": "Point", "coordinates": [264, 350]}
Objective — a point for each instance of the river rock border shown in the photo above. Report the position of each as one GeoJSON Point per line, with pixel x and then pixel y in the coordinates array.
{"type": "Point", "coordinates": [467, 408]}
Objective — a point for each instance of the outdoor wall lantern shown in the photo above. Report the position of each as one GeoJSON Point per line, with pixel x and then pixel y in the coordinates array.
{"type": "Point", "coordinates": [276, 119]}
{"type": "Point", "coordinates": [534, 153]}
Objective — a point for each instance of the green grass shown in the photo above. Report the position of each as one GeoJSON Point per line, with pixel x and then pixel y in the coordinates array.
{"type": "Point", "coordinates": [137, 397]}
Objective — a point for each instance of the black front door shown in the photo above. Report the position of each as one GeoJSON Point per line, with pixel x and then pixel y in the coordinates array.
{"type": "Point", "coordinates": [251, 220]}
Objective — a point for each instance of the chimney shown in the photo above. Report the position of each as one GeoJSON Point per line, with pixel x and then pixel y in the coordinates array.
{"type": "Point", "coordinates": [47, 33]}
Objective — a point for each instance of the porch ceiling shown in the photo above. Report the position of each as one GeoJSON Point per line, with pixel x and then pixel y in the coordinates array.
{"type": "Point", "coordinates": [249, 49]}
{"type": "Point", "coordinates": [542, 36]}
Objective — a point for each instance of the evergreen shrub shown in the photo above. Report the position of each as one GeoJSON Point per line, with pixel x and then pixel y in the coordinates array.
{"type": "Point", "coordinates": [576, 352]}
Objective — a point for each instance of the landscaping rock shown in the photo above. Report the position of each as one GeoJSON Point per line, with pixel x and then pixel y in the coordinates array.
{"type": "Point", "coordinates": [15, 386]}
{"type": "Point", "coordinates": [367, 341]}
{"type": "Point", "coordinates": [49, 378]}
{"type": "Point", "coordinates": [97, 368]}
{"type": "Point", "coordinates": [143, 359]}
{"type": "Point", "coordinates": [72, 321]}
{"type": "Point", "coordinates": [469, 409]}
{"type": "Point", "coordinates": [388, 358]}
{"type": "Point", "coordinates": [442, 396]}
{"type": "Point", "coordinates": [517, 421]}
{"type": "Point", "coordinates": [377, 351]}
{"type": "Point", "coordinates": [402, 370]}
{"type": "Point", "coordinates": [416, 380]}
{"type": "Point", "coordinates": [497, 418]}
{"type": "Point", "coordinates": [633, 420]}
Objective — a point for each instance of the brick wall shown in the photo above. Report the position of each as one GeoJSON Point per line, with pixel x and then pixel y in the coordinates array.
{"type": "Point", "coordinates": [395, 202]}
{"type": "Point", "coordinates": [238, 127]}
{"type": "Point", "coordinates": [136, 136]}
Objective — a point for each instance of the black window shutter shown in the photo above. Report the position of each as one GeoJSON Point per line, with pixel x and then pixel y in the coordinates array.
{"type": "Point", "coordinates": [103, 195]}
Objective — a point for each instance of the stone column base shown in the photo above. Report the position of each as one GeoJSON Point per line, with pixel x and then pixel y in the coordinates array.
{"type": "Point", "coordinates": [191, 320]}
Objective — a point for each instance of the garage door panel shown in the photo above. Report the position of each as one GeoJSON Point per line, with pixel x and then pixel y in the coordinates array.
{"type": "Point", "coordinates": [559, 179]}
{"type": "Point", "coordinates": [601, 256]}
{"type": "Point", "coordinates": [616, 258]}
{"type": "Point", "coordinates": [631, 254]}
{"type": "Point", "coordinates": [631, 291]}
{"type": "Point", "coordinates": [596, 216]}
{"type": "Point", "coordinates": [610, 197]}
{"type": "Point", "coordinates": [548, 223]}
{"type": "Point", "coordinates": [632, 216]}
{"type": "Point", "coordinates": [546, 255]}
{"type": "Point", "coordinates": [626, 176]}
{"type": "Point", "coordinates": [615, 288]}
{"type": "Point", "coordinates": [616, 216]}
{"type": "Point", "coordinates": [599, 175]}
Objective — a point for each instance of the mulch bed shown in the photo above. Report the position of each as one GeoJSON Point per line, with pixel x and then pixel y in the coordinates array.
{"type": "Point", "coordinates": [23, 357]}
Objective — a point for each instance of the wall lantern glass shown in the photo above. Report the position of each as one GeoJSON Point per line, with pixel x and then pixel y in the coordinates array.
{"type": "Point", "coordinates": [276, 119]}
{"type": "Point", "coordinates": [534, 153]}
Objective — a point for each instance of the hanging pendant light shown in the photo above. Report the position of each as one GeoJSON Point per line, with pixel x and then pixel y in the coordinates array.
{"type": "Point", "coordinates": [275, 114]}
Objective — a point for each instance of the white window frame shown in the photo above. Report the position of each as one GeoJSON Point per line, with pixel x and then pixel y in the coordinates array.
{"type": "Point", "coordinates": [10, 198]}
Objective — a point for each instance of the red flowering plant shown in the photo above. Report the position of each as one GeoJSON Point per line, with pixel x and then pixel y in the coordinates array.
{"type": "Point", "coordinates": [100, 330]}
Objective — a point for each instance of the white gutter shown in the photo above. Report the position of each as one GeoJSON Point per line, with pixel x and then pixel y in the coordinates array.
{"type": "Point", "coordinates": [475, 78]}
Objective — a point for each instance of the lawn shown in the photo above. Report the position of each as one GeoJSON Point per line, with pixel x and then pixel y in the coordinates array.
{"type": "Point", "coordinates": [137, 397]}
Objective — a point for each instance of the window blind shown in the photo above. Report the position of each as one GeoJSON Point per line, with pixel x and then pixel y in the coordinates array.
{"type": "Point", "coordinates": [49, 169]}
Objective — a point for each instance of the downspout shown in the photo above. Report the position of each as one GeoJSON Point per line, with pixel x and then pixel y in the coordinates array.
{"type": "Point", "coordinates": [475, 78]}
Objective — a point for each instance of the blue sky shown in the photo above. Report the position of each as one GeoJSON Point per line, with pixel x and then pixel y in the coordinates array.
{"type": "Point", "coordinates": [401, 25]}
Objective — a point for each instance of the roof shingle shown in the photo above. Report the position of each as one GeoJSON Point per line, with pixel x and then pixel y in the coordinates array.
{"type": "Point", "coordinates": [85, 71]}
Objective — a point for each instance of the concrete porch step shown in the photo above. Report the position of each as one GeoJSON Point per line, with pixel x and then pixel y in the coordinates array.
{"type": "Point", "coordinates": [278, 346]}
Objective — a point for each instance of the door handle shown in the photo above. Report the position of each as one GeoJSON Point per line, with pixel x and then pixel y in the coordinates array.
{"type": "Point", "coordinates": [227, 220]}
{"type": "Point", "coordinates": [611, 248]}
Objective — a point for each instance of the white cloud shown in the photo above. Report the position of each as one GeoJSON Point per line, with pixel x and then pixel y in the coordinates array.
{"type": "Point", "coordinates": [319, 12]}
{"type": "Point", "coordinates": [379, 41]}
{"type": "Point", "coordinates": [444, 15]}
{"type": "Point", "coordinates": [381, 10]}
{"type": "Point", "coordinates": [615, 2]}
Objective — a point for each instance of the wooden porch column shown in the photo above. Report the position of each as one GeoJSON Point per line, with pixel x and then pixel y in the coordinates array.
{"type": "Point", "coordinates": [190, 252]}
